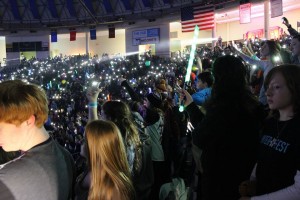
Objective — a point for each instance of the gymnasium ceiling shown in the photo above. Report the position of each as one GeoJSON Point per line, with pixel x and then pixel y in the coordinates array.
{"type": "Point", "coordinates": [50, 14]}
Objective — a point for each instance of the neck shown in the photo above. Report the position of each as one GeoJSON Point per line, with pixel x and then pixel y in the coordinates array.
{"type": "Point", "coordinates": [37, 136]}
{"type": "Point", "coordinates": [286, 114]}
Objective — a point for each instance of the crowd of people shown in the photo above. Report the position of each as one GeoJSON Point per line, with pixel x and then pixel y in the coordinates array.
{"type": "Point", "coordinates": [81, 127]}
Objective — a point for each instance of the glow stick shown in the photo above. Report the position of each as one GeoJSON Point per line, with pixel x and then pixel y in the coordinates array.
{"type": "Point", "coordinates": [190, 63]}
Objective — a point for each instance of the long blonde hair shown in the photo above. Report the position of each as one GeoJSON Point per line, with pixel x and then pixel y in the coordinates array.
{"type": "Point", "coordinates": [108, 163]}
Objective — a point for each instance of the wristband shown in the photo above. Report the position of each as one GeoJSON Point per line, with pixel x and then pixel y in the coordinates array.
{"type": "Point", "coordinates": [93, 104]}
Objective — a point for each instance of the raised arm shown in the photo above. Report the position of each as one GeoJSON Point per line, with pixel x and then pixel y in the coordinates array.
{"type": "Point", "coordinates": [92, 96]}
{"type": "Point", "coordinates": [252, 60]}
{"type": "Point", "coordinates": [129, 89]}
{"type": "Point", "coordinates": [291, 30]}
{"type": "Point", "coordinates": [193, 110]}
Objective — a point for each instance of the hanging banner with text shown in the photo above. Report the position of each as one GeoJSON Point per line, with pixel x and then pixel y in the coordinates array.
{"type": "Point", "coordinates": [146, 36]}
{"type": "Point", "coordinates": [245, 13]}
{"type": "Point", "coordinates": [276, 8]}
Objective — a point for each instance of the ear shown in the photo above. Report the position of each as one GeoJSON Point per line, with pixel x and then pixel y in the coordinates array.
{"type": "Point", "coordinates": [30, 121]}
{"type": "Point", "coordinates": [206, 85]}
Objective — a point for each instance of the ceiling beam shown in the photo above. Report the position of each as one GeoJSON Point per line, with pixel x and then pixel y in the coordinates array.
{"type": "Point", "coordinates": [52, 8]}
{"type": "Point", "coordinates": [15, 10]}
{"type": "Point", "coordinates": [89, 11]}
{"type": "Point", "coordinates": [71, 9]}
{"type": "Point", "coordinates": [33, 9]}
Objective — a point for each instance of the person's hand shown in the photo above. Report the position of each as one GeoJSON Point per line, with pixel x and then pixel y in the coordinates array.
{"type": "Point", "coordinates": [247, 188]}
{"type": "Point", "coordinates": [234, 48]}
{"type": "Point", "coordinates": [92, 94]}
{"type": "Point", "coordinates": [185, 95]}
{"type": "Point", "coordinates": [285, 21]}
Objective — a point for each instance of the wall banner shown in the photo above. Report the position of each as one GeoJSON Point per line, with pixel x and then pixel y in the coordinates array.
{"type": "Point", "coordinates": [146, 36]}
{"type": "Point", "coordinates": [276, 8]}
{"type": "Point", "coordinates": [245, 13]}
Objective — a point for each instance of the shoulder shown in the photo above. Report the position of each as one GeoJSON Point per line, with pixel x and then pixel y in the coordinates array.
{"type": "Point", "coordinates": [151, 117]}
{"type": "Point", "coordinates": [50, 152]}
{"type": "Point", "coordinates": [295, 123]}
{"type": "Point", "coordinates": [267, 65]}
{"type": "Point", "coordinates": [5, 192]}
{"type": "Point", "coordinates": [207, 90]}
{"type": "Point", "coordinates": [22, 174]}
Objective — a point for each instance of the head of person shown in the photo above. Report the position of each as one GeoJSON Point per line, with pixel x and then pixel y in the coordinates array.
{"type": "Point", "coordinates": [107, 160]}
{"type": "Point", "coordinates": [227, 50]}
{"type": "Point", "coordinates": [282, 85]}
{"type": "Point", "coordinates": [295, 45]}
{"type": "Point", "coordinates": [161, 87]}
{"type": "Point", "coordinates": [134, 106]}
{"type": "Point", "coordinates": [229, 75]}
{"type": "Point", "coordinates": [205, 80]}
{"type": "Point", "coordinates": [271, 49]}
{"type": "Point", "coordinates": [206, 64]}
{"type": "Point", "coordinates": [153, 100]}
{"type": "Point", "coordinates": [24, 107]}
{"type": "Point", "coordinates": [119, 113]}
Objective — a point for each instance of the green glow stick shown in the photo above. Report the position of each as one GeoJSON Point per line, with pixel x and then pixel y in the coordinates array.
{"type": "Point", "coordinates": [190, 64]}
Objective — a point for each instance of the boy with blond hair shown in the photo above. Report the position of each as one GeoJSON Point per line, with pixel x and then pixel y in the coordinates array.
{"type": "Point", "coordinates": [44, 170]}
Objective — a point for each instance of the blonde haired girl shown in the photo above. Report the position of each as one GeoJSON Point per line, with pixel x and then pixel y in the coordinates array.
{"type": "Point", "coordinates": [110, 175]}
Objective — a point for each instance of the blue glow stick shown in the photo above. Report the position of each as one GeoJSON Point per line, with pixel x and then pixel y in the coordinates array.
{"type": "Point", "coordinates": [190, 64]}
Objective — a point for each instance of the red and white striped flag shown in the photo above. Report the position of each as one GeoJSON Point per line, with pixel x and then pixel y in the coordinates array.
{"type": "Point", "coordinates": [203, 16]}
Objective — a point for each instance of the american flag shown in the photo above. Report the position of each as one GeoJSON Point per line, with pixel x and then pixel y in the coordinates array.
{"type": "Point", "coordinates": [203, 16]}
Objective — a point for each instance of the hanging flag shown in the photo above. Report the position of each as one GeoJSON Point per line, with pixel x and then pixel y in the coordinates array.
{"type": "Point", "coordinates": [203, 16]}
{"type": "Point", "coordinates": [53, 36]}
{"type": "Point", "coordinates": [72, 35]}
{"type": "Point", "coordinates": [93, 34]}
{"type": "Point", "coordinates": [111, 32]}
{"type": "Point", "coordinates": [245, 13]}
{"type": "Point", "coordinates": [276, 8]}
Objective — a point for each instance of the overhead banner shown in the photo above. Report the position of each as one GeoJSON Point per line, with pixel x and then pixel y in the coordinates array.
{"type": "Point", "coordinates": [146, 36]}
{"type": "Point", "coordinates": [53, 36]}
{"type": "Point", "coordinates": [93, 34]}
{"type": "Point", "coordinates": [111, 32]}
{"type": "Point", "coordinates": [276, 8]}
{"type": "Point", "coordinates": [245, 13]}
{"type": "Point", "coordinates": [72, 35]}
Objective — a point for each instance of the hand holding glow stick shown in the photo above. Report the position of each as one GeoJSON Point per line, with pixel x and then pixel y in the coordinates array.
{"type": "Point", "coordinates": [190, 64]}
